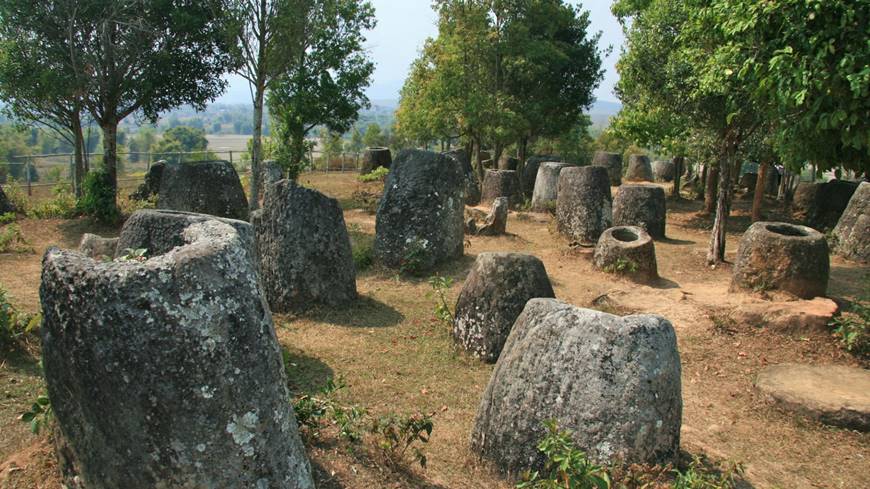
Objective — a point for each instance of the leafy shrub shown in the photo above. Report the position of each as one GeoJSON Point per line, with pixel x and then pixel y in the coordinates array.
{"type": "Point", "coordinates": [440, 285]}
{"type": "Point", "coordinates": [377, 175]}
{"type": "Point", "coordinates": [397, 434]}
{"type": "Point", "coordinates": [362, 246]}
{"type": "Point", "coordinates": [314, 411]}
{"type": "Point", "coordinates": [412, 260]}
{"type": "Point", "coordinates": [39, 415]}
{"type": "Point", "coordinates": [17, 197]}
{"type": "Point", "coordinates": [566, 466]}
{"type": "Point", "coordinates": [61, 206]}
{"type": "Point", "coordinates": [853, 328]}
{"type": "Point", "coordinates": [622, 266]}
{"type": "Point", "coordinates": [7, 218]}
{"type": "Point", "coordinates": [16, 327]}
{"type": "Point", "coordinates": [98, 199]}
{"type": "Point", "coordinates": [696, 476]}
{"type": "Point", "coordinates": [11, 238]}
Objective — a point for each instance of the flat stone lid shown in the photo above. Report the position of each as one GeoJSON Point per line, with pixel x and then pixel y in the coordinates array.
{"type": "Point", "coordinates": [833, 394]}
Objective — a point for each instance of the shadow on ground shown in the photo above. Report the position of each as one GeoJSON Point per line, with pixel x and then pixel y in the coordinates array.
{"type": "Point", "coordinates": [365, 312]}
{"type": "Point", "coordinates": [305, 375]}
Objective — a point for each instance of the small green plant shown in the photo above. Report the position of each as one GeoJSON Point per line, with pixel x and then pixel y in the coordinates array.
{"type": "Point", "coordinates": [62, 205]}
{"type": "Point", "coordinates": [362, 247]}
{"type": "Point", "coordinates": [397, 434]}
{"type": "Point", "coordinates": [440, 285]}
{"type": "Point", "coordinates": [853, 328]}
{"type": "Point", "coordinates": [312, 412]}
{"type": "Point", "coordinates": [565, 466]}
{"type": "Point", "coordinates": [621, 266]}
{"type": "Point", "coordinates": [7, 218]}
{"type": "Point", "coordinates": [414, 257]}
{"type": "Point", "coordinates": [39, 415]}
{"type": "Point", "coordinates": [378, 174]}
{"type": "Point", "coordinates": [131, 254]}
{"type": "Point", "coordinates": [15, 326]}
{"type": "Point", "coordinates": [696, 476]}
{"type": "Point", "coordinates": [98, 199]}
{"type": "Point", "coordinates": [12, 239]}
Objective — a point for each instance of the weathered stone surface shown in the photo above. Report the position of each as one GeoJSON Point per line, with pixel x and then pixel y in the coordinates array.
{"type": "Point", "coordinates": [167, 372]}
{"type": "Point", "coordinates": [151, 186]}
{"type": "Point", "coordinates": [271, 172]}
{"type": "Point", "coordinates": [791, 317]}
{"type": "Point", "coordinates": [94, 246]}
{"type": "Point", "coordinates": [663, 170]}
{"type": "Point", "coordinates": [421, 211]}
{"type": "Point", "coordinates": [547, 186]}
{"type": "Point", "coordinates": [781, 256]}
{"type": "Point", "coordinates": [853, 230]}
{"type": "Point", "coordinates": [375, 157]}
{"type": "Point", "coordinates": [614, 382]}
{"type": "Point", "coordinates": [583, 203]}
{"type": "Point", "coordinates": [748, 181]}
{"type": "Point", "coordinates": [501, 183]}
{"type": "Point", "coordinates": [5, 204]}
{"type": "Point", "coordinates": [529, 177]}
{"type": "Point", "coordinates": [507, 162]}
{"type": "Point", "coordinates": [304, 249]}
{"type": "Point", "coordinates": [488, 163]}
{"type": "Point", "coordinates": [158, 231]}
{"type": "Point", "coordinates": [496, 221]}
{"type": "Point", "coordinates": [206, 187]}
{"type": "Point", "coordinates": [771, 185]}
{"type": "Point", "coordinates": [641, 205]}
{"type": "Point", "coordinates": [613, 163]}
{"type": "Point", "coordinates": [639, 169]}
{"type": "Point", "coordinates": [835, 395]}
{"type": "Point", "coordinates": [472, 185]}
{"type": "Point", "coordinates": [494, 294]}
{"type": "Point", "coordinates": [627, 250]}
{"type": "Point", "coordinates": [820, 205]}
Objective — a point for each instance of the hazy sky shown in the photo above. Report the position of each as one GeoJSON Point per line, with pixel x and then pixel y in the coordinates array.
{"type": "Point", "coordinates": [402, 27]}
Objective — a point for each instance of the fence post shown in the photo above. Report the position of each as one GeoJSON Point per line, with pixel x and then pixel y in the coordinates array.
{"type": "Point", "coordinates": [27, 175]}
{"type": "Point", "coordinates": [231, 157]}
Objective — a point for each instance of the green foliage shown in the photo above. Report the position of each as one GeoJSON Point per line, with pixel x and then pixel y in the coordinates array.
{"type": "Point", "coordinates": [696, 476]}
{"type": "Point", "coordinates": [376, 175]}
{"type": "Point", "coordinates": [180, 139]}
{"type": "Point", "coordinates": [621, 265]}
{"type": "Point", "coordinates": [324, 80]}
{"type": "Point", "coordinates": [12, 239]}
{"type": "Point", "coordinates": [7, 218]}
{"type": "Point", "coordinates": [98, 197]}
{"type": "Point", "coordinates": [39, 415]}
{"type": "Point", "coordinates": [853, 328]}
{"type": "Point", "coordinates": [373, 136]}
{"type": "Point", "coordinates": [362, 247]}
{"type": "Point", "coordinates": [414, 257]}
{"type": "Point", "coordinates": [16, 327]}
{"type": "Point", "coordinates": [566, 466]}
{"type": "Point", "coordinates": [131, 254]}
{"type": "Point", "coordinates": [397, 434]}
{"type": "Point", "coordinates": [62, 205]}
{"type": "Point", "coordinates": [440, 285]}
{"type": "Point", "coordinates": [312, 412]}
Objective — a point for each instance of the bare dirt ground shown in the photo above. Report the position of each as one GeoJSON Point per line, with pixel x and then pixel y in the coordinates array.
{"type": "Point", "coordinates": [395, 357]}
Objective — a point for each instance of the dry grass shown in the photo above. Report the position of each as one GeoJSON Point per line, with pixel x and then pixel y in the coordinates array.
{"type": "Point", "coordinates": [395, 357]}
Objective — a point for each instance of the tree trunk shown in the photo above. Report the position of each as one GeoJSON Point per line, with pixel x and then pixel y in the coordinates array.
{"type": "Point", "coordinates": [711, 189]}
{"type": "Point", "coordinates": [110, 156]}
{"type": "Point", "coordinates": [758, 198]}
{"type": "Point", "coordinates": [678, 173]}
{"type": "Point", "coordinates": [702, 181]}
{"type": "Point", "coordinates": [257, 149]}
{"type": "Point", "coordinates": [475, 159]}
{"type": "Point", "coordinates": [79, 149]}
{"type": "Point", "coordinates": [716, 253]}
{"type": "Point", "coordinates": [522, 148]}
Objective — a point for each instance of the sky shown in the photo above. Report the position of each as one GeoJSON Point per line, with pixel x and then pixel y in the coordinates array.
{"type": "Point", "coordinates": [402, 27]}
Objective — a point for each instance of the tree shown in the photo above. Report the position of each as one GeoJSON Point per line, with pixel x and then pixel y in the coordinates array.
{"type": "Point", "coordinates": [373, 136]}
{"type": "Point", "coordinates": [139, 57]}
{"type": "Point", "coordinates": [323, 83]}
{"type": "Point", "coordinates": [182, 139]}
{"type": "Point", "coordinates": [356, 140]}
{"type": "Point", "coordinates": [261, 33]}
{"type": "Point", "coordinates": [36, 83]}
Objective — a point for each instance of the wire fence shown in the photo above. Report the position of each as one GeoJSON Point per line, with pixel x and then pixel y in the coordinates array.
{"type": "Point", "coordinates": [40, 173]}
